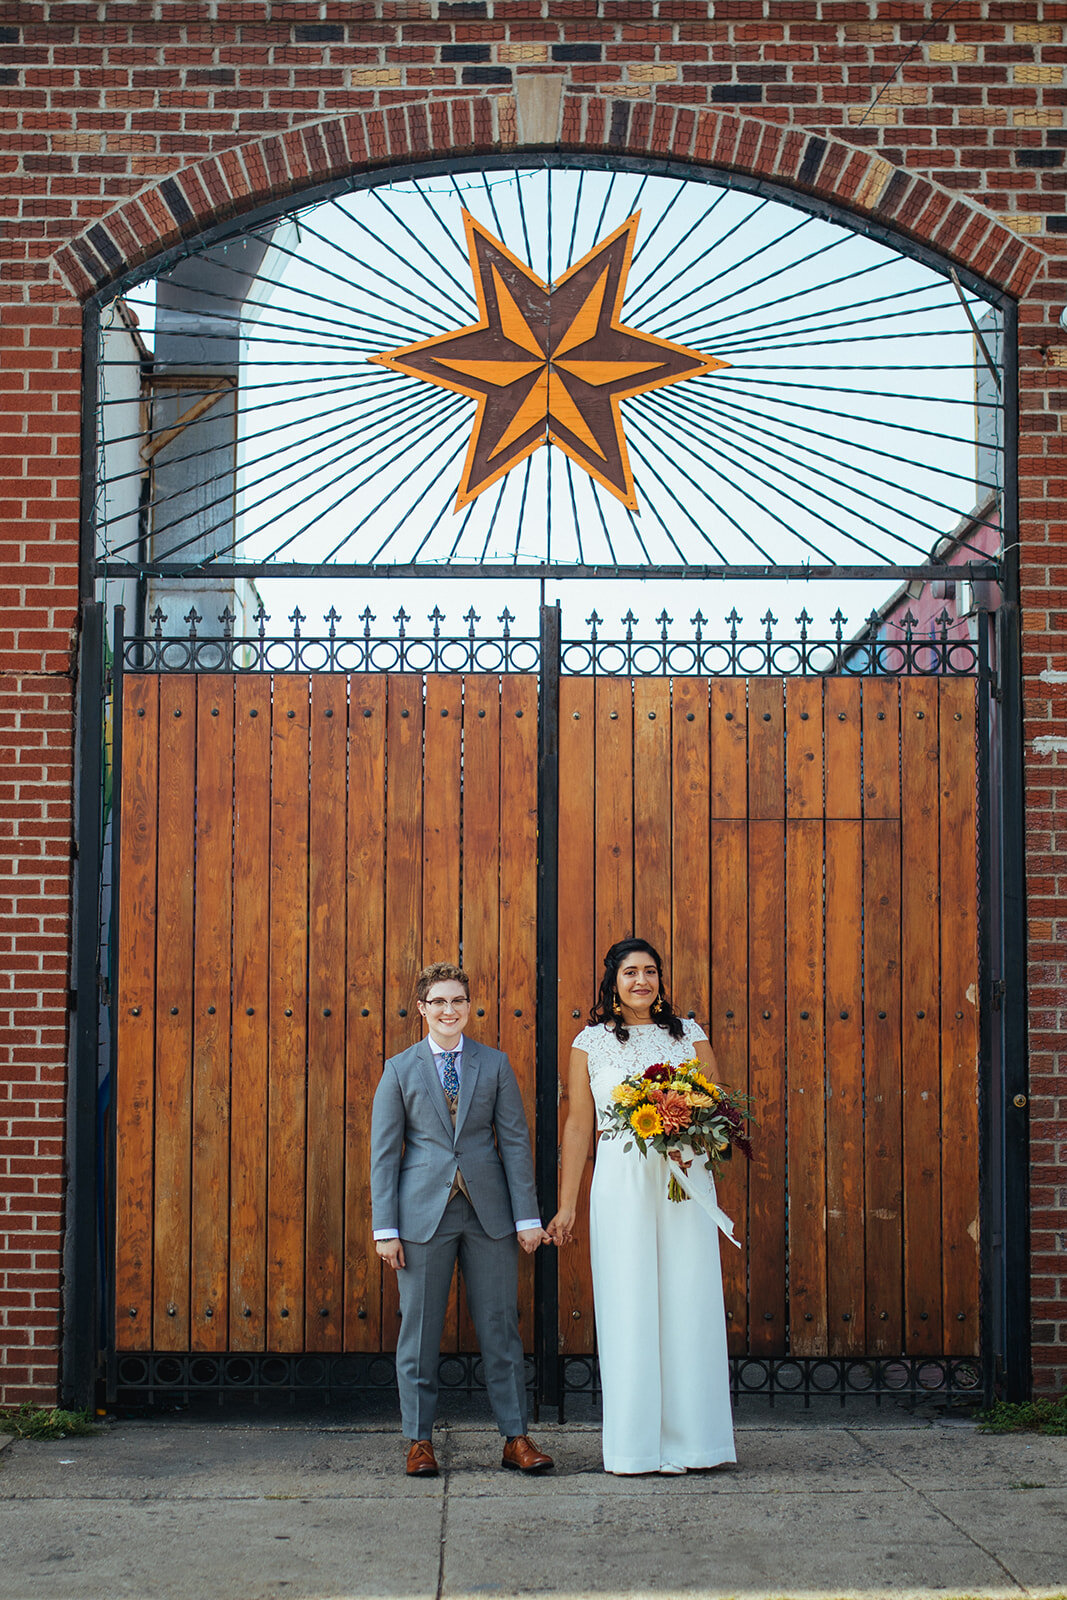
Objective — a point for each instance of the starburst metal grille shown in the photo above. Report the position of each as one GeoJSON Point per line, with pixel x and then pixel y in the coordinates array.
{"type": "Point", "coordinates": [860, 422]}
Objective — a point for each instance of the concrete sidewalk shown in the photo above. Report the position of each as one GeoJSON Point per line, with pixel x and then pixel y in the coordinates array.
{"type": "Point", "coordinates": [316, 1507]}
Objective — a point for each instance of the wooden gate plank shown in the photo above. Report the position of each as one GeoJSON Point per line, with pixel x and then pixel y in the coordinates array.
{"type": "Point", "coordinates": [287, 1024]}
{"type": "Point", "coordinates": [729, 748]}
{"type": "Point", "coordinates": [728, 734]}
{"type": "Point", "coordinates": [174, 997]}
{"type": "Point", "coordinates": [846, 1201]}
{"type": "Point", "coordinates": [518, 920]}
{"type": "Point", "coordinates": [682, 776]}
{"type": "Point", "coordinates": [251, 1011]}
{"type": "Point", "coordinates": [766, 748]}
{"type": "Point", "coordinates": [614, 832]}
{"type": "Point", "coordinates": [213, 913]}
{"type": "Point", "coordinates": [883, 1133]}
{"type": "Point", "coordinates": [842, 723]}
{"type": "Point", "coordinates": [365, 1052]}
{"type": "Point", "coordinates": [728, 1028]}
{"type": "Point", "coordinates": [766, 1010]}
{"type": "Point", "coordinates": [805, 1043]}
{"type": "Point", "coordinates": [441, 819]}
{"type": "Point", "coordinates": [135, 1078]}
{"type": "Point", "coordinates": [843, 728]}
{"type": "Point", "coordinates": [959, 1016]}
{"type": "Point", "coordinates": [652, 824]}
{"type": "Point", "coordinates": [481, 851]}
{"type": "Point", "coordinates": [806, 1102]}
{"type": "Point", "coordinates": [327, 927]}
{"type": "Point", "coordinates": [920, 1043]}
{"type": "Point", "coordinates": [579, 969]}
{"type": "Point", "coordinates": [804, 748]}
{"type": "Point", "coordinates": [403, 898]}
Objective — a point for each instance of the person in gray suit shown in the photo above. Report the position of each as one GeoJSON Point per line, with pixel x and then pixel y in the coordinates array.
{"type": "Point", "coordinates": [452, 1178]}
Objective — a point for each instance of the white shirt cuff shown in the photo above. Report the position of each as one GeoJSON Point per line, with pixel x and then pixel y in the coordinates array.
{"type": "Point", "coordinates": [527, 1222]}
{"type": "Point", "coordinates": [385, 1233]}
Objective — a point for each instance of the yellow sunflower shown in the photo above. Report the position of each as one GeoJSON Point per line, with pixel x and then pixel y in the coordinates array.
{"type": "Point", "coordinates": [646, 1122]}
{"type": "Point", "coordinates": [705, 1083]}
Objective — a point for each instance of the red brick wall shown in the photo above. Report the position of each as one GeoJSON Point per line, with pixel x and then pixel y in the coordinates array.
{"type": "Point", "coordinates": [124, 126]}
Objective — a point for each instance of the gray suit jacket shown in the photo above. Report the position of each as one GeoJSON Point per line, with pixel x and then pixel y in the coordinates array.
{"type": "Point", "coordinates": [415, 1153]}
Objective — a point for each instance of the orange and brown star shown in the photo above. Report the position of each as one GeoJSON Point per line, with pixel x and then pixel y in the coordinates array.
{"type": "Point", "coordinates": [548, 363]}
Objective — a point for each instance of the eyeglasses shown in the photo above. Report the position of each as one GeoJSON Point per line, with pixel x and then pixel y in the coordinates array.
{"type": "Point", "coordinates": [439, 1001]}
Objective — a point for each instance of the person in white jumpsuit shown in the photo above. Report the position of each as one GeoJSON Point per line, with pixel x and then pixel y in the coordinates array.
{"type": "Point", "coordinates": [657, 1278]}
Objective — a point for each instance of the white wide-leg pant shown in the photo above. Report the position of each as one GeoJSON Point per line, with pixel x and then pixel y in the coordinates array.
{"type": "Point", "coordinates": [660, 1320]}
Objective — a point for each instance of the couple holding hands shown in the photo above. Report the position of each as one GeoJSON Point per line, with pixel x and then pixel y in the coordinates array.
{"type": "Point", "coordinates": [452, 1178]}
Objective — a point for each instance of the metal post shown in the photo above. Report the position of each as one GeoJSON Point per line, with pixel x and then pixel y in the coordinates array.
{"type": "Point", "coordinates": [1008, 774]}
{"type": "Point", "coordinates": [80, 1252]}
{"type": "Point", "coordinates": [546, 1275]}
{"type": "Point", "coordinates": [1014, 1088]}
{"type": "Point", "coordinates": [990, 1066]}
{"type": "Point", "coordinates": [107, 1170]}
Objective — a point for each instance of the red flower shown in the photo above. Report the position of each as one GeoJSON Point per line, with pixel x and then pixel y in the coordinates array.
{"type": "Point", "coordinates": [659, 1073]}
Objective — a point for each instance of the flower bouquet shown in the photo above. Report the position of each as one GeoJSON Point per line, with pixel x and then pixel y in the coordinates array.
{"type": "Point", "coordinates": [682, 1114]}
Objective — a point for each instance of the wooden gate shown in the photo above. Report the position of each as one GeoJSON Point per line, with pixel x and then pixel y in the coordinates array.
{"type": "Point", "coordinates": [294, 846]}
{"type": "Point", "coordinates": [803, 853]}
{"type": "Point", "coordinates": [293, 849]}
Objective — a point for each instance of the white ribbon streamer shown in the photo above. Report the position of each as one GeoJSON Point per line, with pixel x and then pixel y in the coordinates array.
{"type": "Point", "coordinates": [699, 1185]}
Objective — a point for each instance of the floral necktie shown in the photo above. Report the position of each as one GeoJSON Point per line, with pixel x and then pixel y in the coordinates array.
{"type": "Point", "coordinates": [451, 1076]}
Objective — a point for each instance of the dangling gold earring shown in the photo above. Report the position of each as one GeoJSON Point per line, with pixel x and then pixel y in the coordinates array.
{"type": "Point", "coordinates": [657, 1005]}
{"type": "Point", "coordinates": [615, 1006]}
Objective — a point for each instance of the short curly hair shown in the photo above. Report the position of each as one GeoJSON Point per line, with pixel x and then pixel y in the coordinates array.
{"type": "Point", "coordinates": [440, 972]}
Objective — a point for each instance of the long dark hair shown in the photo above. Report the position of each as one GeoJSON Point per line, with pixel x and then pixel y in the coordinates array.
{"type": "Point", "coordinates": [603, 1009]}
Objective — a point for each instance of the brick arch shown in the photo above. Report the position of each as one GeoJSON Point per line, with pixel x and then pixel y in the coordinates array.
{"type": "Point", "coordinates": [239, 180]}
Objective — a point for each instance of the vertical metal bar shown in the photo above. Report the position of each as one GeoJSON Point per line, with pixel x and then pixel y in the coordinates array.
{"type": "Point", "coordinates": [80, 1253]}
{"type": "Point", "coordinates": [1015, 1199]}
{"type": "Point", "coordinates": [989, 1062]}
{"type": "Point", "coordinates": [546, 1276]}
{"type": "Point", "coordinates": [106, 1180]}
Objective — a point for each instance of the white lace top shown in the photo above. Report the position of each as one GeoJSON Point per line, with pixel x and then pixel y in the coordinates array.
{"type": "Point", "coordinates": [610, 1060]}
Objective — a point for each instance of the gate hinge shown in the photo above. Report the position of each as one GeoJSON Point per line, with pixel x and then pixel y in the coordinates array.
{"type": "Point", "coordinates": [998, 988]}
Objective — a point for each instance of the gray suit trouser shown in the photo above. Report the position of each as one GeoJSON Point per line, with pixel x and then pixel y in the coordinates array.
{"type": "Point", "coordinates": [490, 1269]}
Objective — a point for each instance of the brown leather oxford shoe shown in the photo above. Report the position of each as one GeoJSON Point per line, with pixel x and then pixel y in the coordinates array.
{"type": "Point", "coordinates": [422, 1463]}
{"type": "Point", "coordinates": [522, 1455]}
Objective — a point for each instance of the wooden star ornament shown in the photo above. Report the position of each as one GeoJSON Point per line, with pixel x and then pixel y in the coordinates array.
{"type": "Point", "coordinates": [548, 362]}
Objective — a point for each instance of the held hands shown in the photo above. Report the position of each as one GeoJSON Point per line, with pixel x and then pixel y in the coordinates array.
{"type": "Point", "coordinates": [391, 1252]}
{"type": "Point", "coordinates": [530, 1238]}
{"type": "Point", "coordinates": [561, 1228]}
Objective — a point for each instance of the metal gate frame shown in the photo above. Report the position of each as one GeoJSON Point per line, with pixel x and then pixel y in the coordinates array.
{"type": "Point", "coordinates": [1004, 1304]}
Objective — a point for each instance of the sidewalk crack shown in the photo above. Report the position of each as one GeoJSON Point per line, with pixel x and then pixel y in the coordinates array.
{"type": "Point", "coordinates": [939, 1511]}
{"type": "Point", "coordinates": [447, 1477]}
